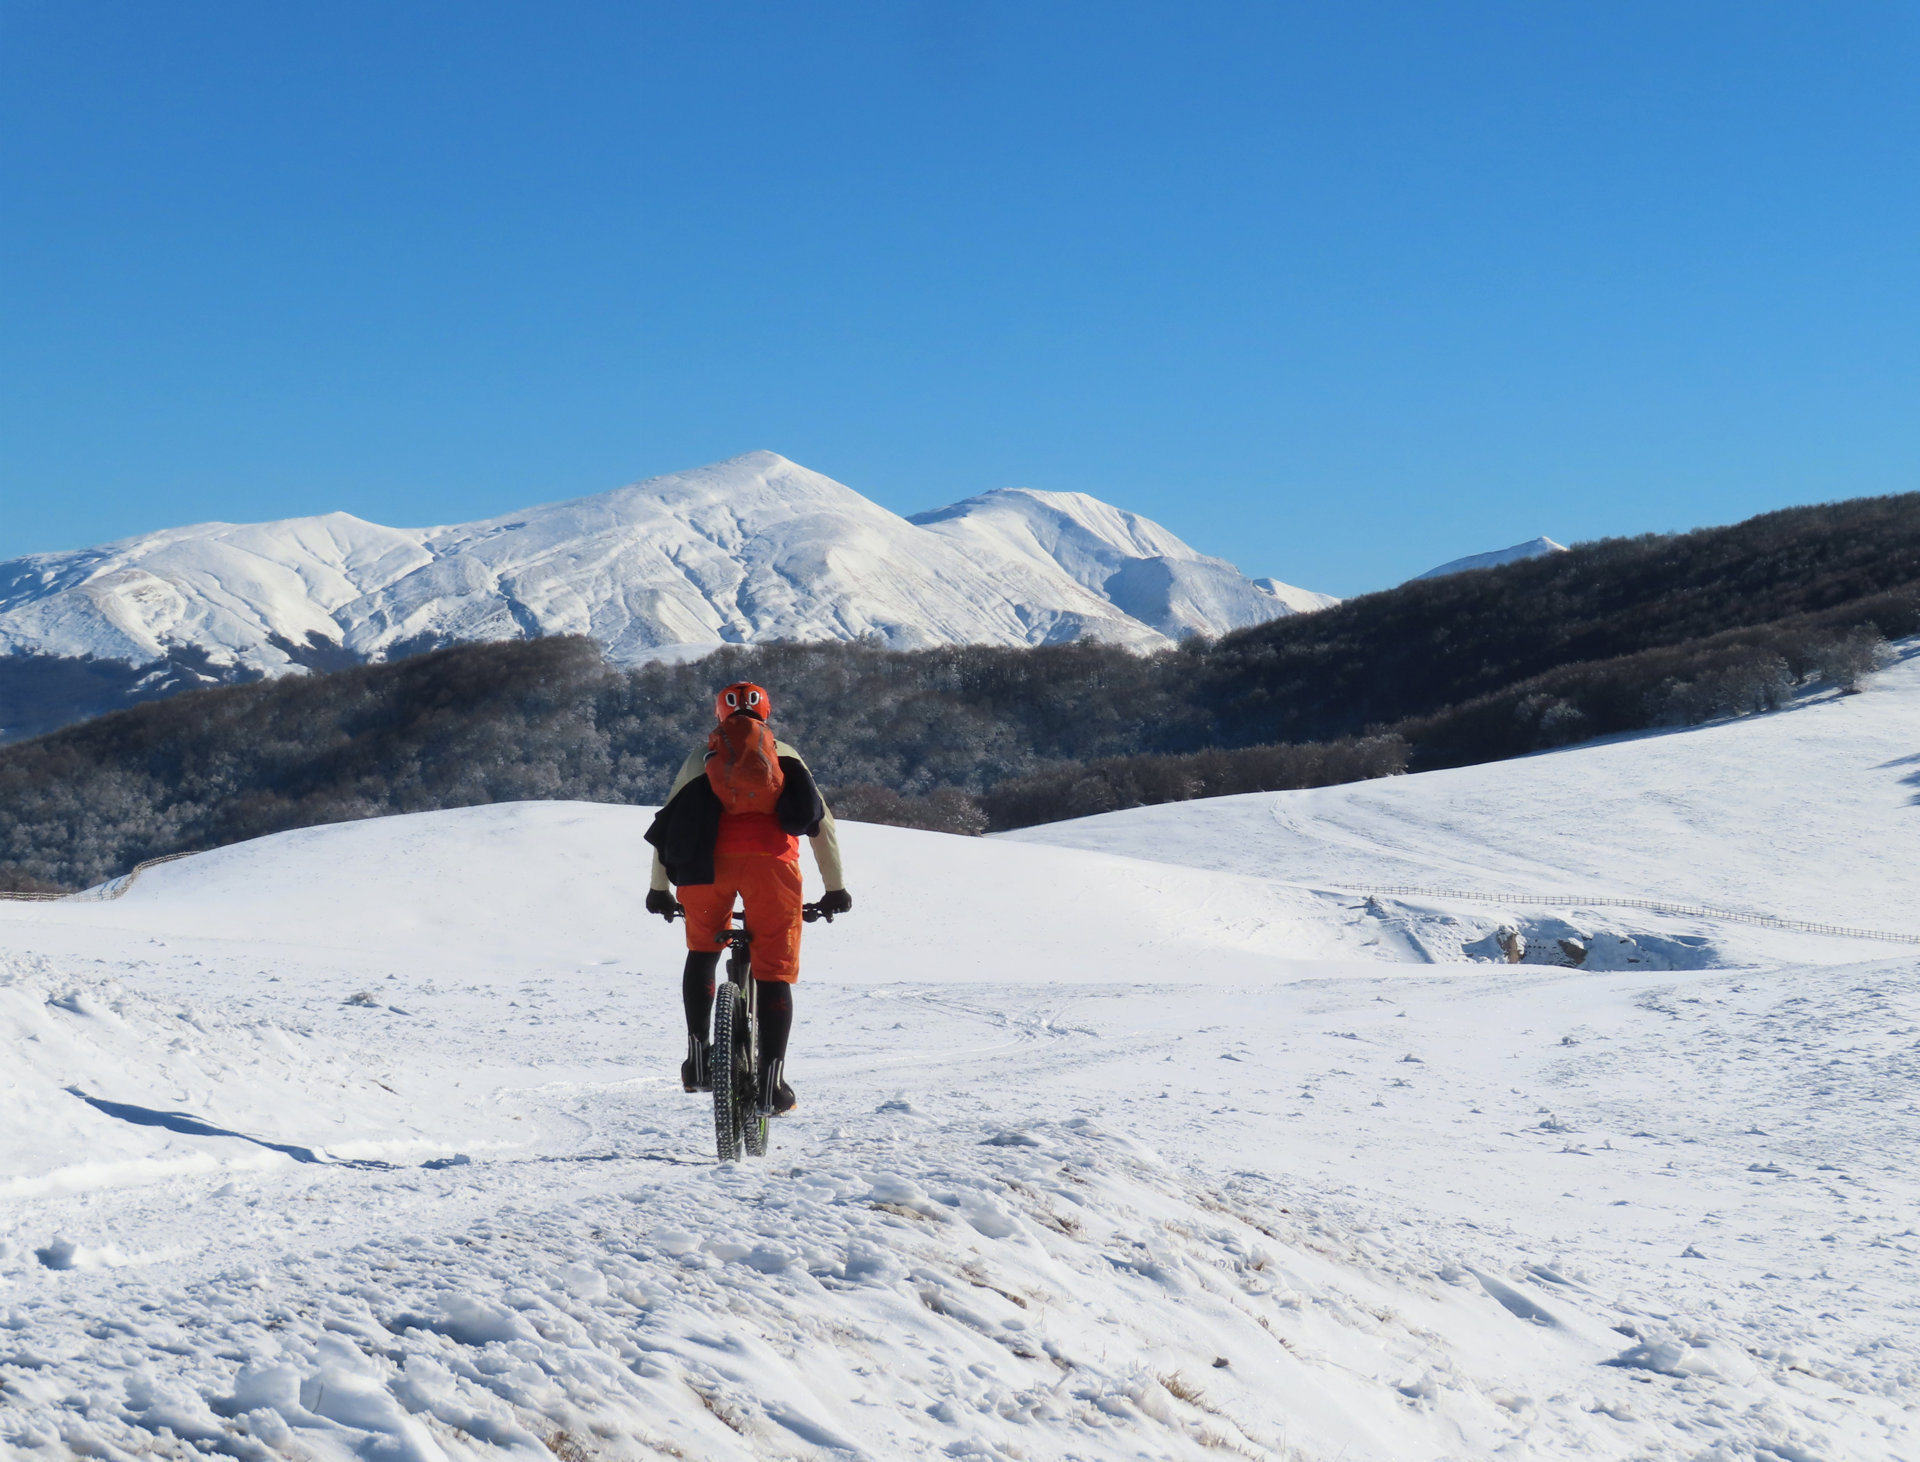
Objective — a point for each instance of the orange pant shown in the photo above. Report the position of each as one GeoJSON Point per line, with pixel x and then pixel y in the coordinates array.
{"type": "Point", "coordinates": [770, 889]}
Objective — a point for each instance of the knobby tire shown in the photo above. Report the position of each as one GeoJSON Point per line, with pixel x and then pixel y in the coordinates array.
{"type": "Point", "coordinates": [738, 1128]}
{"type": "Point", "coordinates": [756, 1124]}
{"type": "Point", "coordinates": [753, 1126]}
{"type": "Point", "coordinates": [729, 1016]}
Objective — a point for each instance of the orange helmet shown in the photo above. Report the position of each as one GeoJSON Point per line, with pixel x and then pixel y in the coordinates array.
{"type": "Point", "coordinates": [743, 697]}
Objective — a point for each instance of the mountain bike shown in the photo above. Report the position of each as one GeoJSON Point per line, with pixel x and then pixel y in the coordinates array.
{"type": "Point", "coordinates": [739, 1121]}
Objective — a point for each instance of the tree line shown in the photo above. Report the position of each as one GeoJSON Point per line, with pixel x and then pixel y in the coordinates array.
{"type": "Point", "coordinates": [1614, 636]}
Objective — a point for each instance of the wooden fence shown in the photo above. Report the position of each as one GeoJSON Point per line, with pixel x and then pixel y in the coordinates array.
{"type": "Point", "coordinates": [113, 888]}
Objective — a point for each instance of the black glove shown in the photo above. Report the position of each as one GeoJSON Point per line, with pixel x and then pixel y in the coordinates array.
{"type": "Point", "coordinates": [836, 901]}
{"type": "Point", "coordinates": [660, 902]}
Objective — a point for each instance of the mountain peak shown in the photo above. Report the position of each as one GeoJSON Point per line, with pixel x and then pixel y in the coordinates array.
{"type": "Point", "coordinates": [1129, 560]}
{"type": "Point", "coordinates": [1088, 537]}
{"type": "Point", "coordinates": [758, 462]}
{"type": "Point", "coordinates": [753, 548]}
{"type": "Point", "coordinates": [1532, 548]}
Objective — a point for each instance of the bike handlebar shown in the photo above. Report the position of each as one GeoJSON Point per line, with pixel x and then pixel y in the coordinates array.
{"type": "Point", "coordinates": [808, 912]}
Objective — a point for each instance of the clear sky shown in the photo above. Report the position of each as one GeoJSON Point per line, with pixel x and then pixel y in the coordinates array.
{"type": "Point", "coordinates": [1336, 290]}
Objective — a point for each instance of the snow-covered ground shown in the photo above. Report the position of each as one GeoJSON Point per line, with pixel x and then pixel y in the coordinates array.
{"type": "Point", "coordinates": [1810, 814]}
{"type": "Point", "coordinates": [1139, 1137]}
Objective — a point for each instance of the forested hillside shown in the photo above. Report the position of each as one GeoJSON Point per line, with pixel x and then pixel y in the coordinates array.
{"type": "Point", "coordinates": [1612, 636]}
{"type": "Point", "coordinates": [1434, 643]}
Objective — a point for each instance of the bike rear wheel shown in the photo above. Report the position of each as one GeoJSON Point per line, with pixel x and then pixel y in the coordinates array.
{"type": "Point", "coordinates": [754, 1132]}
{"type": "Point", "coordinates": [753, 1126]}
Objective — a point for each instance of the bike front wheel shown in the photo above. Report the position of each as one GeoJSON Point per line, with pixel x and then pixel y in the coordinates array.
{"type": "Point", "coordinates": [738, 1128]}
{"type": "Point", "coordinates": [729, 1018]}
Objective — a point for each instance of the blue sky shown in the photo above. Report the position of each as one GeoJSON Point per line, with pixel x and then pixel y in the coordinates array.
{"type": "Point", "coordinates": [1336, 290]}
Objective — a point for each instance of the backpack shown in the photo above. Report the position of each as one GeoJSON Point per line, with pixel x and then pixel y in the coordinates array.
{"type": "Point", "coordinates": [743, 765]}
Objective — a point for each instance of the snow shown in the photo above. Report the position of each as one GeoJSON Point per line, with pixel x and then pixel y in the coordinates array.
{"type": "Point", "coordinates": [752, 549]}
{"type": "Point", "coordinates": [1142, 1136]}
{"type": "Point", "coordinates": [1134, 563]}
{"type": "Point", "coordinates": [1808, 814]}
{"type": "Point", "coordinates": [1532, 548]}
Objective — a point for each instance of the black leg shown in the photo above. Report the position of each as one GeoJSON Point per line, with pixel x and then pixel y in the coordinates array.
{"type": "Point", "coordinates": [775, 998]}
{"type": "Point", "coordinates": [696, 990]}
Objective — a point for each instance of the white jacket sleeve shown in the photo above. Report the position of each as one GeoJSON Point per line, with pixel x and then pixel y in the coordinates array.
{"type": "Point", "coordinates": [826, 852]}
{"type": "Point", "coordinates": [826, 842]}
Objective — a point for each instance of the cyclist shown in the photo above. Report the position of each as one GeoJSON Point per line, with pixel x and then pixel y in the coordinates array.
{"type": "Point", "coordinates": [731, 827]}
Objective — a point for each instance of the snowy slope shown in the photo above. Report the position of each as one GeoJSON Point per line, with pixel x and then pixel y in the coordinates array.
{"type": "Point", "coordinates": [751, 549]}
{"type": "Point", "coordinates": [1807, 813]}
{"type": "Point", "coordinates": [1532, 548]}
{"type": "Point", "coordinates": [1133, 563]}
{"type": "Point", "coordinates": [1099, 1155]}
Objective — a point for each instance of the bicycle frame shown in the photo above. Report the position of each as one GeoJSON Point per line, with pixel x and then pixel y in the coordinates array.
{"type": "Point", "coordinates": [739, 941]}
{"type": "Point", "coordinates": [739, 1126]}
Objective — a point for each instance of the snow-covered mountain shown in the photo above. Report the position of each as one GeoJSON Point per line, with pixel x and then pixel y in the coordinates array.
{"type": "Point", "coordinates": [1532, 548]}
{"type": "Point", "coordinates": [1130, 562]}
{"type": "Point", "coordinates": [752, 549]}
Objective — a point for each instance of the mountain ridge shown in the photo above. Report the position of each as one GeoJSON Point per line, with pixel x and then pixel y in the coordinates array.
{"type": "Point", "coordinates": [749, 550]}
{"type": "Point", "coordinates": [1495, 558]}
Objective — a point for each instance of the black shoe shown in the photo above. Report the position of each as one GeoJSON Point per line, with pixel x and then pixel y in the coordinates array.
{"type": "Point", "coordinates": [776, 1097]}
{"type": "Point", "coordinates": [696, 1072]}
